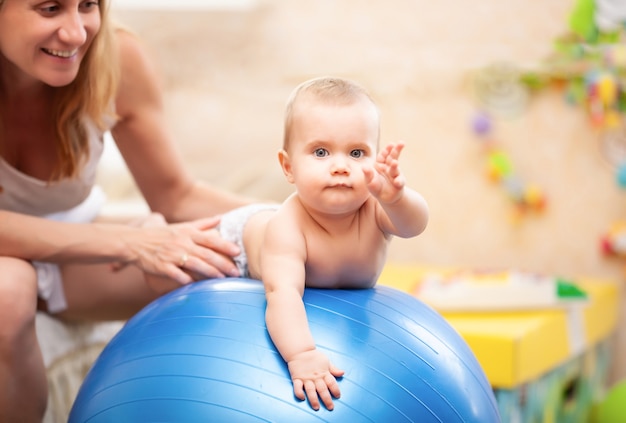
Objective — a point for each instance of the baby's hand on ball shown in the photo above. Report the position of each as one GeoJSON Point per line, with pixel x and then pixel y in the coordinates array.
{"type": "Point", "coordinates": [313, 377]}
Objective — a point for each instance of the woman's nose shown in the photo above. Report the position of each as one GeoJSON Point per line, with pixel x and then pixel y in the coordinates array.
{"type": "Point", "coordinates": [72, 30]}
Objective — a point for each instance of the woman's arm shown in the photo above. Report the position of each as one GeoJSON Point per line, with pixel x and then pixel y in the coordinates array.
{"type": "Point", "coordinates": [34, 238]}
{"type": "Point", "coordinates": [145, 142]}
{"type": "Point", "coordinates": [156, 249]}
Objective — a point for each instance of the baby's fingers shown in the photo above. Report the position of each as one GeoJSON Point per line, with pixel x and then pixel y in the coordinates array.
{"type": "Point", "coordinates": [393, 150]}
{"type": "Point", "coordinates": [323, 392]}
{"type": "Point", "coordinates": [298, 389]}
{"type": "Point", "coordinates": [310, 390]}
{"type": "Point", "coordinates": [332, 385]}
{"type": "Point", "coordinates": [369, 174]}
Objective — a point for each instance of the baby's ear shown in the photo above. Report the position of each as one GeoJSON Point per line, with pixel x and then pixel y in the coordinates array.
{"type": "Point", "coordinates": [285, 164]}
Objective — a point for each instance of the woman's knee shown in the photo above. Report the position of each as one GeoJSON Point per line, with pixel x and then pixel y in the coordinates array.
{"type": "Point", "coordinates": [18, 294]}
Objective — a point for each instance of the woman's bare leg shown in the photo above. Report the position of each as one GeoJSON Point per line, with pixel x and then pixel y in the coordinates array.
{"type": "Point", "coordinates": [23, 383]}
{"type": "Point", "coordinates": [93, 292]}
{"type": "Point", "coordinates": [96, 292]}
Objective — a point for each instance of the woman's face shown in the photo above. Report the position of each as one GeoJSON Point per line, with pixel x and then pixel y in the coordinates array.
{"type": "Point", "coordinates": [45, 40]}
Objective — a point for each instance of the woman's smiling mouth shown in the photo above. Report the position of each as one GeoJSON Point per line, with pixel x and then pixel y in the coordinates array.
{"type": "Point", "coordinates": [60, 53]}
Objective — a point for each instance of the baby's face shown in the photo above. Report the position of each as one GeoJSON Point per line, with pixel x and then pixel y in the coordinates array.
{"type": "Point", "coordinates": [328, 148]}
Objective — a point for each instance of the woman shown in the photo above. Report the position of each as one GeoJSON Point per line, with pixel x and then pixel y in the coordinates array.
{"type": "Point", "coordinates": [66, 76]}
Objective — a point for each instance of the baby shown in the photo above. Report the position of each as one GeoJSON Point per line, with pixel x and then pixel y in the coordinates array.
{"type": "Point", "coordinates": [334, 230]}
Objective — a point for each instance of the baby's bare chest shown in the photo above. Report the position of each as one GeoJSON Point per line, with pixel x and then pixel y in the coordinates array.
{"type": "Point", "coordinates": [345, 262]}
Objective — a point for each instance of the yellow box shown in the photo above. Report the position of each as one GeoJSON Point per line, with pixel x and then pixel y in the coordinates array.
{"type": "Point", "coordinates": [517, 347]}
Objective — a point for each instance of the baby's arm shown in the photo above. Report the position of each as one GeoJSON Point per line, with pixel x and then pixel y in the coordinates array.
{"type": "Point", "coordinates": [283, 273]}
{"type": "Point", "coordinates": [404, 211]}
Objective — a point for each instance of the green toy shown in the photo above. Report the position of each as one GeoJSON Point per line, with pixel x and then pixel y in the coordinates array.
{"type": "Point", "coordinates": [613, 408]}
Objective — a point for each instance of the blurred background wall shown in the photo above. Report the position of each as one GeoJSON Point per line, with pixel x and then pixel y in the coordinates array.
{"type": "Point", "coordinates": [228, 67]}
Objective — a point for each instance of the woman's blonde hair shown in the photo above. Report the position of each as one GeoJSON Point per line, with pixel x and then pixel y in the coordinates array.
{"type": "Point", "coordinates": [90, 96]}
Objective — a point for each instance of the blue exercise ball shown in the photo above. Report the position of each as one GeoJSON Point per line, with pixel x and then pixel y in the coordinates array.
{"type": "Point", "coordinates": [202, 354]}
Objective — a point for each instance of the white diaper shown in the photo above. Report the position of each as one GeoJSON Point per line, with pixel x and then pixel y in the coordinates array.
{"type": "Point", "coordinates": [231, 228]}
{"type": "Point", "coordinates": [49, 281]}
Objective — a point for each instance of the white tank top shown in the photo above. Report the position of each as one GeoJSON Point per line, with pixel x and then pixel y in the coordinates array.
{"type": "Point", "coordinates": [24, 194]}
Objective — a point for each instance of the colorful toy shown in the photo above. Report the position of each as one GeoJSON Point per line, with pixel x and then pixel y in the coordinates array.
{"type": "Point", "coordinates": [497, 291]}
{"type": "Point", "coordinates": [621, 176]}
{"type": "Point", "coordinates": [589, 64]}
{"type": "Point", "coordinates": [613, 243]}
{"type": "Point", "coordinates": [613, 407]}
{"type": "Point", "coordinates": [499, 169]}
{"type": "Point", "coordinates": [498, 90]}
{"type": "Point", "coordinates": [202, 353]}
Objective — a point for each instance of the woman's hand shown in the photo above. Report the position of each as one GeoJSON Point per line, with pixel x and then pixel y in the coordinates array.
{"type": "Point", "coordinates": [181, 252]}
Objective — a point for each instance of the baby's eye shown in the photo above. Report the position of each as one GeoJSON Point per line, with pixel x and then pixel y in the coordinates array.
{"type": "Point", "coordinates": [357, 154]}
{"type": "Point", "coordinates": [320, 152]}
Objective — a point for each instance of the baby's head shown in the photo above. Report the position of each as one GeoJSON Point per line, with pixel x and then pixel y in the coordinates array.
{"type": "Point", "coordinates": [326, 90]}
{"type": "Point", "coordinates": [332, 131]}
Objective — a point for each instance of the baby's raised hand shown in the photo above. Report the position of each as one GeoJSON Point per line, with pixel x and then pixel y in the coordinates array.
{"type": "Point", "coordinates": [385, 181]}
{"type": "Point", "coordinates": [313, 378]}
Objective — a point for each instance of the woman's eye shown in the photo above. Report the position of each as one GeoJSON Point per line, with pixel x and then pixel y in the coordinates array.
{"type": "Point", "coordinates": [357, 154]}
{"type": "Point", "coordinates": [49, 9]}
{"type": "Point", "coordinates": [320, 152]}
{"type": "Point", "coordinates": [91, 4]}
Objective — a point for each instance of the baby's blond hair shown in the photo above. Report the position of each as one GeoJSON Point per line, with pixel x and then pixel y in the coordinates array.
{"type": "Point", "coordinates": [325, 89]}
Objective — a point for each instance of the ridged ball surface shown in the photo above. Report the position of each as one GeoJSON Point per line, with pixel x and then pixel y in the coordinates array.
{"type": "Point", "coordinates": [202, 353]}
